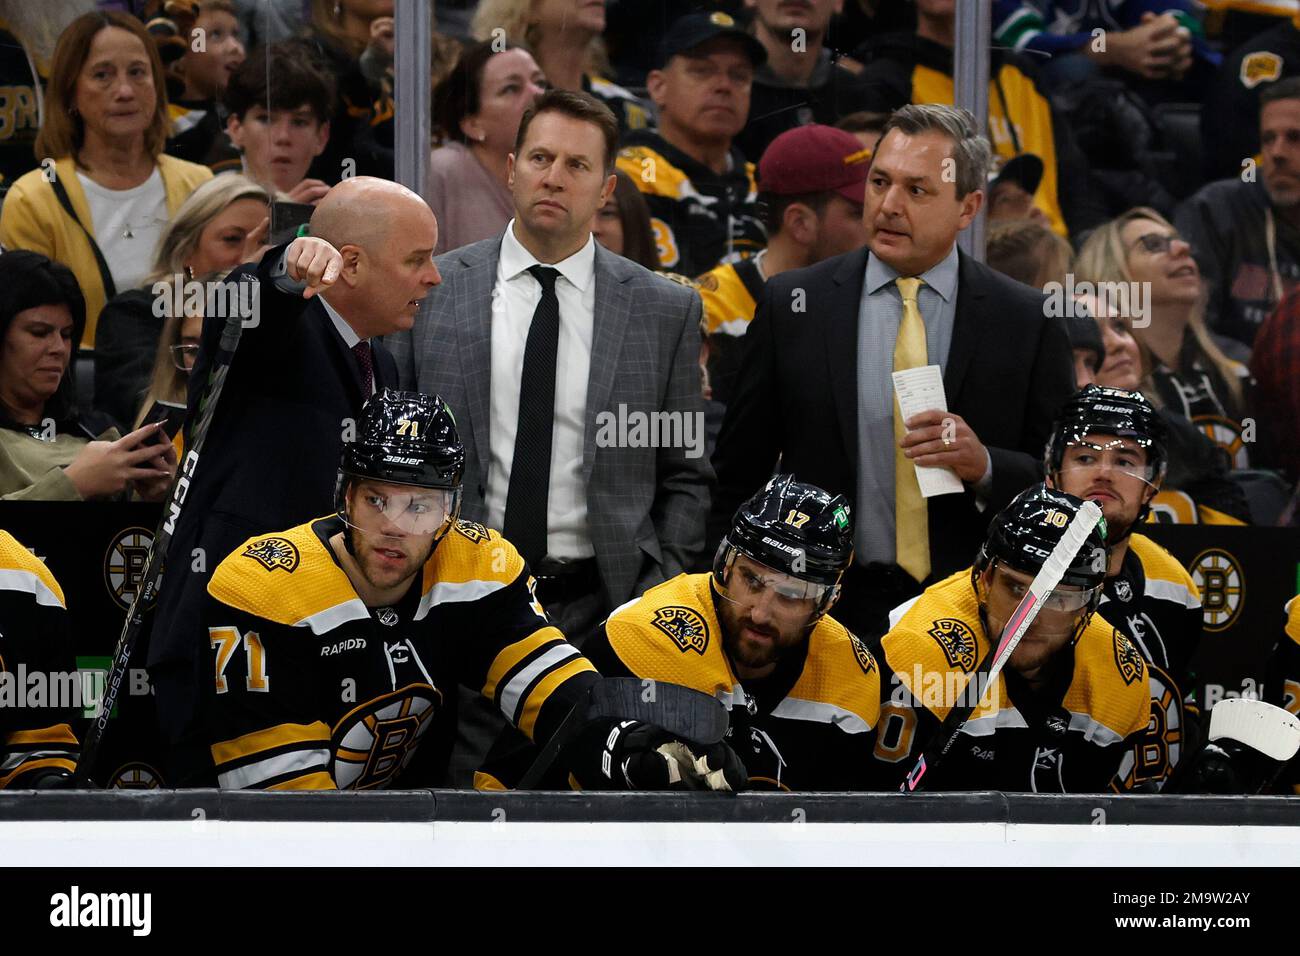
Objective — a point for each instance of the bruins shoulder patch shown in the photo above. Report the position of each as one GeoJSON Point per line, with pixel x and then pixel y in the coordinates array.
{"type": "Point", "coordinates": [274, 553]}
{"type": "Point", "coordinates": [686, 626]}
{"type": "Point", "coordinates": [957, 640]}
{"type": "Point", "coordinates": [1127, 658]}
{"type": "Point", "coordinates": [865, 660]}
{"type": "Point", "coordinates": [472, 530]}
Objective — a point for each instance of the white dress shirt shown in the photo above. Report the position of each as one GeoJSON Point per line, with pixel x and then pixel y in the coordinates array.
{"type": "Point", "coordinates": [514, 299]}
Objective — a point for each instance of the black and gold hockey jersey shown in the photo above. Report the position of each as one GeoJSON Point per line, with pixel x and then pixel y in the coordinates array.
{"type": "Point", "coordinates": [39, 684]}
{"type": "Point", "coordinates": [807, 726]}
{"type": "Point", "coordinates": [1067, 737]}
{"type": "Point", "coordinates": [700, 219]}
{"type": "Point", "coordinates": [1155, 602]}
{"type": "Point", "coordinates": [312, 689]}
{"type": "Point", "coordinates": [1282, 685]}
{"type": "Point", "coordinates": [730, 295]}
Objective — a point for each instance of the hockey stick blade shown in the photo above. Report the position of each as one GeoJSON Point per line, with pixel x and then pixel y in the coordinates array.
{"type": "Point", "coordinates": [162, 537]}
{"type": "Point", "coordinates": [1048, 577]}
{"type": "Point", "coordinates": [688, 715]}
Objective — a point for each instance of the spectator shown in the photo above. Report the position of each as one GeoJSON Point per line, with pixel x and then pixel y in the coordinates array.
{"type": "Point", "coordinates": [634, 31]}
{"type": "Point", "coordinates": [178, 348]}
{"type": "Point", "coordinates": [917, 68]}
{"type": "Point", "coordinates": [21, 79]}
{"type": "Point", "coordinates": [565, 36]}
{"type": "Point", "coordinates": [595, 530]}
{"type": "Point", "coordinates": [113, 189]}
{"type": "Point", "coordinates": [48, 449]}
{"type": "Point", "coordinates": [196, 114]}
{"type": "Point", "coordinates": [351, 38]}
{"type": "Point", "coordinates": [622, 225]}
{"type": "Point", "coordinates": [811, 181]}
{"type": "Point", "coordinates": [700, 189]}
{"type": "Point", "coordinates": [1245, 234]}
{"type": "Point", "coordinates": [1275, 363]}
{"type": "Point", "coordinates": [866, 125]}
{"type": "Point", "coordinates": [1248, 72]}
{"type": "Point", "coordinates": [476, 112]}
{"type": "Point", "coordinates": [1182, 369]}
{"type": "Point", "coordinates": [223, 223]}
{"type": "Point", "coordinates": [803, 81]}
{"type": "Point", "coordinates": [815, 388]}
{"type": "Point", "coordinates": [279, 103]}
{"type": "Point", "coordinates": [1028, 251]}
{"type": "Point", "coordinates": [1152, 41]}
{"type": "Point", "coordinates": [1086, 344]}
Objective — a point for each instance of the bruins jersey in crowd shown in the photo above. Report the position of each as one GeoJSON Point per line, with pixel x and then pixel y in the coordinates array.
{"type": "Point", "coordinates": [38, 673]}
{"type": "Point", "coordinates": [312, 689]}
{"type": "Point", "coordinates": [1155, 602]}
{"type": "Point", "coordinates": [1067, 737]}
{"type": "Point", "coordinates": [807, 726]}
{"type": "Point", "coordinates": [730, 295]}
{"type": "Point", "coordinates": [700, 218]}
{"type": "Point", "coordinates": [1282, 683]}
{"type": "Point", "coordinates": [630, 110]}
{"type": "Point", "coordinates": [904, 68]}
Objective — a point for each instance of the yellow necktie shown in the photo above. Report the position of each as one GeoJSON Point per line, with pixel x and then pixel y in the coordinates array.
{"type": "Point", "coordinates": [911, 516]}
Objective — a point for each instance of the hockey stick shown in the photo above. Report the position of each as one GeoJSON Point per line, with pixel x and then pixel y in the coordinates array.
{"type": "Point", "coordinates": [150, 577]}
{"type": "Point", "coordinates": [1048, 577]}
{"type": "Point", "coordinates": [689, 715]}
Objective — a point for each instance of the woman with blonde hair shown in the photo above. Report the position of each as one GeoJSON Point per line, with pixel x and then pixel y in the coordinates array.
{"type": "Point", "coordinates": [223, 224]}
{"type": "Point", "coordinates": [178, 348]}
{"type": "Point", "coordinates": [100, 206]}
{"type": "Point", "coordinates": [1182, 369]}
{"type": "Point", "coordinates": [565, 37]}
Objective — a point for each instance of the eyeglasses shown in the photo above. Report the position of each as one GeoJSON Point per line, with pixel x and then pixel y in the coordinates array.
{"type": "Point", "coordinates": [1156, 243]}
{"type": "Point", "coordinates": [184, 356]}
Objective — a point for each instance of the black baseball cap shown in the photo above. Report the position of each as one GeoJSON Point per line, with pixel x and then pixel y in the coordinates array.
{"type": "Point", "coordinates": [695, 29]}
{"type": "Point", "coordinates": [1025, 170]}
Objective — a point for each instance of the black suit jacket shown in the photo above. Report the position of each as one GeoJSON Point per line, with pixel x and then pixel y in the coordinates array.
{"type": "Point", "coordinates": [1009, 370]}
{"type": "Point", "coordinates": [271, 455]}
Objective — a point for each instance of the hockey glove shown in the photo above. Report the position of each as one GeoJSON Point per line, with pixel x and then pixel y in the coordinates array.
{"type": "Point", "coordinates": [639, 756]}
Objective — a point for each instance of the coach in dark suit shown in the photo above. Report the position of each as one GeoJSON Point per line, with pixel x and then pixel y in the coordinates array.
{"type": "Point", "coordinates": [815, 387]}
{"type": "Point", "coordinates": [304, 366]}
{"type": "Point", "coordinates": [574, 375]}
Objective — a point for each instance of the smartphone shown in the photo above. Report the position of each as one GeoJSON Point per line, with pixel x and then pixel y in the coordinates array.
{"type": "Point", "coordinates": [172, 416]}
{"type": "Point", "coordinates": [286, 219]}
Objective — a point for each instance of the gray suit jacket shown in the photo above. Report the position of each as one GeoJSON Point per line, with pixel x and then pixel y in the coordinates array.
{"type": "Point", "coordinates": [646, 506]}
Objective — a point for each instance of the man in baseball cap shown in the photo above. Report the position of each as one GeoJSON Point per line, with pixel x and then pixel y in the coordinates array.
{"type": "Point", "coordinates": [811, 183]}
{"type": "Point", "coordinates": [700, 190]}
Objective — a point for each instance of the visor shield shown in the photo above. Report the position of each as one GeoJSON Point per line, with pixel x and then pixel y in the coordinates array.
{"type": "Point", "coordinates": [412, 510]}
{"type": "Point", "coordinates": [1086, 460]}
{"type": "Point", "coordinates": [751, 583]}
{"type": "Point", "coordinates": [1064, 599]}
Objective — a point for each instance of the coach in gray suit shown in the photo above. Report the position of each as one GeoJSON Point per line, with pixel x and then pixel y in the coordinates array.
{"type": "Point", "coordinates": [574, 377]}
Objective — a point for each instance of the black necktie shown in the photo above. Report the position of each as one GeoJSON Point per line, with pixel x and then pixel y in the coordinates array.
{"type": "Point", "coordinates": [530, 472]}
{"type": "Point", "coordinates": [362, 351]}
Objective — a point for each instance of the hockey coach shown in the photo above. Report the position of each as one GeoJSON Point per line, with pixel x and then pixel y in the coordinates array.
{"type": "Point", "coordinates": [307, 359]}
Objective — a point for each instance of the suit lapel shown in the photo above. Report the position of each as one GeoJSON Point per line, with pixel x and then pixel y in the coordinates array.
{"type": "Point", "coordinates": [342, 354]}
{"type": "Point", "coordinates": [609, 324]}
{"type": "Point", "coordinates": [965, 327]}
{"type": "Point", "coordinates": [842, 345]}
{"type": "Point", "coordinates": [473, 324]}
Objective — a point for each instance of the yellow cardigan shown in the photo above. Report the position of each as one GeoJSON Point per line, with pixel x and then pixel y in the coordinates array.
{"type": "Point", "coordinates": [31, 218]}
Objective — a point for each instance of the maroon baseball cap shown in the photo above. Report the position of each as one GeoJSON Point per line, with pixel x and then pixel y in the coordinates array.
{"type": "Point", "coordinates": [815, 159]}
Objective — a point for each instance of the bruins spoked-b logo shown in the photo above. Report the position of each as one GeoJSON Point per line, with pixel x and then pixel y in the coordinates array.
{"type": "Point", "coordinates": [685, 626]}
{"type": "Point", "coordinates": [374, 742]}
{"type": "Point", "coordinates": [274, 553]}
{"type": "Point", "coordinates": [957, 640]}
{"type": "Point", "coordinates": [1127, 658]}
{"type": "Point", "coordinates": [124, 564]}
{"type": "Point", "coordinates": [1222, 585]}
{"type": "Point", "coordinates": [135, 776]}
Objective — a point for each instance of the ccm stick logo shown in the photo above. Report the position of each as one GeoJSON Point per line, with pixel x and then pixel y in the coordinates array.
{"type": "Point", "coordinates": [182, 488]}
{"type": "Point", "coordinates": [77, 909]}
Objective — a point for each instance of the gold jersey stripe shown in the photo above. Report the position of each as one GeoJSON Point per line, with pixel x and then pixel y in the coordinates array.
{"type": "Point", "coordinates": [277, 736]}
{"type": "Point", "coordinates": [515, 654]}
{"type": "Point", "coordinates": [312, 781]}
{"type": "Point", "coordinates": [58, 734]}
{"type": "Point", "coordinates": [545, 687]}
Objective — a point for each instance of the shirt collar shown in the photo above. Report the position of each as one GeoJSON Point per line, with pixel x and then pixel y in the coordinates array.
{"type": "Point", "coordinates": [349, 334]}
{"type": "Point", "coordinates": [941, 277]}
{"type": "Point", "coordinates": [579, 268]}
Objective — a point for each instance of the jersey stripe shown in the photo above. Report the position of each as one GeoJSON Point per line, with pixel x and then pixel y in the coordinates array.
{"type": "Point", "coordinates": [58, 734]}
{"type": "Point", "coordinates": [819, 712]}
{"type": "Point", "coordinates": [512, 693]}
{"type": "Point", "coordinates": [446, 592]}
{"type": "Point", "coordinates": [1172, 591]}
{"type": "Point", "coordinates": [259, 740]}
{"type": "Point", "coordinates": [537, 695]}
{"type": "Point", "coordinates": [511, 657]}
{"type": "Point", "coordinates": [26, 582]}
{"type": "Point", "coordinates": [323, 622]}
{"type": "Point", "coordinates": [295, 762]}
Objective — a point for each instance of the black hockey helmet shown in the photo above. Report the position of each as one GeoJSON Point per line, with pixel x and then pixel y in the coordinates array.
{"type": "Point", "coordinates": [406, 438]}
{"type": "Point", "coordinates": [796, 529]}
{"type": "Point", "coordinates": [1024, 533]}
{"type": "Point", "coordinates": [1095, 410]}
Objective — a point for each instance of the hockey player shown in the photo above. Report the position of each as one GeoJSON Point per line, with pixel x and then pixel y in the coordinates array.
{"type": "Point", "coordinates": [1108, 446]}
{"type": "Point", "coordinates": [1282, 685]}
{"type": "Point", "coordinates": [38, 675]}
{"type": "Point", "coordinates": [802, 692]}
{"type": "Point", "coordinates": [337, 644]}
{"type": "Point", "coordinates": [1070, 701]}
